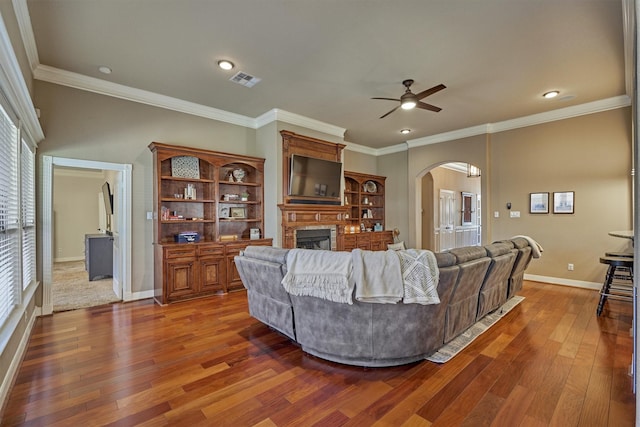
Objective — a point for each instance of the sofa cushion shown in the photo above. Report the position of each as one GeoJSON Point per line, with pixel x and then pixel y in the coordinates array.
{"type": "Point", "coordinates": [495, 285]}
{"type": "Point", "coordinates": [445, 259]}
{"type": "Point", "coordinates": [519, 242]}
{"type": "Point", "coordinates": [468, 253]}
{"type": "Point", "coordinates": [499, 248]}
{"type": "Point", "coordinates": [267, 253]}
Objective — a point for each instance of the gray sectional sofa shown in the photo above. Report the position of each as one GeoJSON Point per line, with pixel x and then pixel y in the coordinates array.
{"type": "Point", "coordinates": [473, 281]}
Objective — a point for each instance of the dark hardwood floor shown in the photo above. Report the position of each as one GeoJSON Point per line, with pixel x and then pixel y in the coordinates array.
{"type": "Point", "coordinates": [549, 362]}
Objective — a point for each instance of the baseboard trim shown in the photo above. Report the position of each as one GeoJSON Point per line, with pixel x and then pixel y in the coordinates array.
{"type": "Point", "coordinates": [133, 296]}
{"type": "Point", "coordinates": [68, 259]}
{"type": "Point", "coordinates": [16, 362]}
{"type": "Point", "coordinates": [564, 282]}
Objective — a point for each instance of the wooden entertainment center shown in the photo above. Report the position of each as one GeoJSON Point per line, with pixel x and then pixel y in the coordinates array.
{"type": "Point", "coordinates": [206, 205]}
{"type": "Point", "coordinates": [362, 205]}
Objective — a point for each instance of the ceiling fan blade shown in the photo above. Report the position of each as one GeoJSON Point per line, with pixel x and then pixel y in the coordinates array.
{"type": "Point", "coordinates": [431, 91]}
{"type": "Point", "coordinates": [388, 99]}
{"type": "Point", "coordinates": [382, 117]}
{"type": "Point", "coordinates": [426, 106]}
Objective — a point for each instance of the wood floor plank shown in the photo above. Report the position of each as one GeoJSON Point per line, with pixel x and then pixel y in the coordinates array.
{"type": "Point", "coordinates": [549, 362]}
{"type": "Point", "coordinates": [512, 412]}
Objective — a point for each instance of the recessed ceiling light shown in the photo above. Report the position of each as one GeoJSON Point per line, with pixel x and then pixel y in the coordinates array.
{"type": "Point", "coordinates": [551, 94]}
{"type": "Point", "coordinates": [405, 131]}
{"type": "Point", "coordinates": [104, 69]}
{"type": "Point", "coordinates": [225, 65]}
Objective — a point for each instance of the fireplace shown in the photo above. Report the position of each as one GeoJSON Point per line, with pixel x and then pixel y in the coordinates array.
{"type": "Point", "coordinates": [316, 237]}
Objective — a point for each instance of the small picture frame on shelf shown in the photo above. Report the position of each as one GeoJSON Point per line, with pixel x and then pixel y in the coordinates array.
{"type": "Point", "coordinates": [224, 212]}
{"type": "Point", "coordinates": [237, 213]}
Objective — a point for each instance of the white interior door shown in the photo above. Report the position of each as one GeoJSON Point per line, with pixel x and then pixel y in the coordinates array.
{"type": "Point", "coordinates": [447, 217]}
{"type": "Point", "coordinates": [117, 243]}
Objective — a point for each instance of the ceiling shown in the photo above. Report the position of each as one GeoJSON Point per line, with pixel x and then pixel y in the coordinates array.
{"type": "Point", "coordinates": [325, 60]}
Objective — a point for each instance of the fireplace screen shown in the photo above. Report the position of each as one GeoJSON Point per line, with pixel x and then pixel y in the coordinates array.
{"type": "Point", "coordinates": [314, 239]}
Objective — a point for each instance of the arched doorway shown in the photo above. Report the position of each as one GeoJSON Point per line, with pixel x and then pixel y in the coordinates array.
{"type": "Point", "coordinates": [450, 213]}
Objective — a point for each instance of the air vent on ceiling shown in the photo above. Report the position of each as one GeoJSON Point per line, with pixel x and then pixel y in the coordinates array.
{"type": "Point", "coordinates": [245, 79]}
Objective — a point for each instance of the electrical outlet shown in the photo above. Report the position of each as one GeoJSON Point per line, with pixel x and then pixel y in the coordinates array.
{"type": "Point", "coordinates": [496, 214]}
{"type": "Point", "coordinates": [570, 267]}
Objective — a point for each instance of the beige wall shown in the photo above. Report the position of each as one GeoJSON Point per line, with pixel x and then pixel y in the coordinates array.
{"type": "Point", "coordinates": [87, 126]}
{"type": "Point", "coordinates": [75, 211]}
{"type": "Point", "coordinates": [590, 155]}
{"type": "Point", "coordinates": [394, 167]}
{"type": "Point", "coordinates": [359, 162]}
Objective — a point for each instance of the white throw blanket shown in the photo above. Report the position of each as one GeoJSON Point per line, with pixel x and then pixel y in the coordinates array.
{"type": "Point", "coordinates": [536, 249]}
{"type": "Point", "coordinates": [321, 274]}
{"type": "Point", "coordinates": [420, 276]}
{"type": "Point", "coordinates": [377, 275]}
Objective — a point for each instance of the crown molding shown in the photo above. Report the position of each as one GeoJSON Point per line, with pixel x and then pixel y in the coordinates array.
{"type": "Point", "coordinates": [455, 166]}
{"type": "Point", "coordinates": [562, 113]}
{"type": "Point", "coordinates": [298, 120]}
{"type": "Point", "coordinates": [103, 87]}
{"type": "Point", "coordinates": [91, 84]}
{"type": "Point", "coordinates": [534, 119]}
{"type": "Point", "coordinates": [391, 149]}
{"type": "Point", "coordinates": [449, 136]}
{"type": "Point", "coordinates": [26, 32]}
{"type": "Point", "coordinates": [15, 89]}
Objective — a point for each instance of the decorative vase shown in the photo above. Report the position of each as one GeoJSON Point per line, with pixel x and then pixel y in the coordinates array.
{"type": "Point", "coordinates": [239, 174]}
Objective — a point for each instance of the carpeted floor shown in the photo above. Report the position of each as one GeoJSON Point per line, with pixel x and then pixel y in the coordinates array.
{"type": "Point", "coordinates": [72, 289]}
{"type": "Point", "coordinates": [458, 344]}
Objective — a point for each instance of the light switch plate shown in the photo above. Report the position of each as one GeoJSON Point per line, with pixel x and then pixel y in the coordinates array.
{"type": "Point", "coordinates": [514, 214]}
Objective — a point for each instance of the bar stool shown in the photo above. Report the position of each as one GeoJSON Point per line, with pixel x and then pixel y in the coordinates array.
{"type": "Point", "coordinates": [618, 283]}
{"type": "Point", "coordinates": [619, 254]}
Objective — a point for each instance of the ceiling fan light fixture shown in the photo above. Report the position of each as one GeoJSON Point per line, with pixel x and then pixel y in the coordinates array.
{"type": "Point", "coordinates": [408, 105]}
{"type": "Point", "coordinates": [225, 64]}
{"type": "Point", "coordinates": [551, 94]}
{"type": "Point", "coordinates": [408, 100]}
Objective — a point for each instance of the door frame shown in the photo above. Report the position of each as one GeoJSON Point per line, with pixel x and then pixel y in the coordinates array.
{"type": "Point", "coordinates": [123, 213]}
{"type": "Point", "coordinates": [418, 191]}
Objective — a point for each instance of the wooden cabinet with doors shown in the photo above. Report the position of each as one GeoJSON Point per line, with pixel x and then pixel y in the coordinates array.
{"type": "Point", "coordinates": [370, 241]}
{"type": "Point", "coordinates": [208, 206]}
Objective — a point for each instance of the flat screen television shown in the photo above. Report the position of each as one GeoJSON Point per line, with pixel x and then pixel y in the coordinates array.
{"type": "Point", "coordinates": [315, 178]}
{"type": "Point", "coordinates": [108, 198]}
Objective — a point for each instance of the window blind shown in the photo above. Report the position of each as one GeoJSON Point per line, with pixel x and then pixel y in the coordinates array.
{"type": "Point", "coordinates": [28, 198]}
{"type": "Point", "coordinates": [9, 217]}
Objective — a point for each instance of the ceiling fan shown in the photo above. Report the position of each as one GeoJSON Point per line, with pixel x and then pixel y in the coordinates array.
{"type": "Point", "coordinates": [410, 100]}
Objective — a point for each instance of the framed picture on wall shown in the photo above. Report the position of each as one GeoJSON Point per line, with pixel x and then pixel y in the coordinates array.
{"type": "Point", "coordinates": [539, 203]}
{"type": "Point", "coordinates": [563, 202]}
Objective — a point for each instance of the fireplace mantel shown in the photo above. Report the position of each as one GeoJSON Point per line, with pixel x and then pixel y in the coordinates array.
{"type": "Point", "coordinates": [303, 216]}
